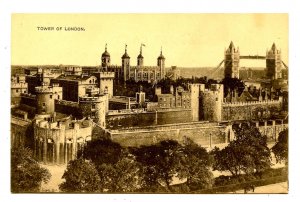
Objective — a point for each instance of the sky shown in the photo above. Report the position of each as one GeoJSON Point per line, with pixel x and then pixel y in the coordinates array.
{"type": "Point", "coordinates": [187, 40]}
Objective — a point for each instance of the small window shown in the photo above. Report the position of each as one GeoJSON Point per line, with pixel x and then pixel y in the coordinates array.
{"type": "Point", "coordinates": [44, 104]}
{"type": "Point", "coordinates": [93, 106]}
{"type": "Point", "coordinates": [50, 96]}
{"type": "Point", "coordinates": [17, 90]}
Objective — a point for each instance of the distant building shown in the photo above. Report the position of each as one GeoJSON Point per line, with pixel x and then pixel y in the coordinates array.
{"type": "Point", "coordinates": [232, 62]}
{"type": "Point", "coordinates": [173, 73]}
{"type": "Point", "coordinates": [273, 63]}
{"type": "Point", "coordinates": [18, 86]}
{"type": "Point", "coordinates": [175, 99]}
{"type": "Point", "coordinates": [75, 86]}
{"type": "Point", "coordinates": [137, 73]}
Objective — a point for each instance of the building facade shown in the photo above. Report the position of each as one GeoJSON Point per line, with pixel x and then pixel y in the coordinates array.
{"type": "Point", "coordinates": [140, 72]}
{"type": "Point", "coordinates": [273, 63]}
{"type": "Point", "coordinates": [232, 62]}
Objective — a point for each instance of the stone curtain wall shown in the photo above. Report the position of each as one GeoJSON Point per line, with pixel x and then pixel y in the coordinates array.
{"type": "Point", "coordinates": [67, 107]}
{"type": "Point", "coordinates": [126, 120]}
{"type": "Point", "coordinates": [202, 134]}
{"type": "Point", "coordinates": [250, 110]}
{"type": "Point", "coordinates": [18, 129]}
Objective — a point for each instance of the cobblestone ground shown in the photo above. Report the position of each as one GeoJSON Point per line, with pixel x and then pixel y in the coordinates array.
{"type": "Point", "coordinates": [57, 172]}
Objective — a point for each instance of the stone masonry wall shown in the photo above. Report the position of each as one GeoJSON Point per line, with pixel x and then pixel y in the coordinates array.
{"type": "Point", "coordinates": [250, 110]}
{"type": "Point", "coordinates": [207, 136]}
{"type": "Point", "coordinates": [147, 119]}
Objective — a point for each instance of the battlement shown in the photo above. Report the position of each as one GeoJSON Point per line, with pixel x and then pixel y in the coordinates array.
{"type": "Point", "coordinates": [114, 66]}
{"type": "Point", "coordinates": [69, 124]}
{"type": "Point", "coordinates": [108, 75]}
{"type": "Point", "coordinates": [28, 95]}
{"type": "Point", "coordinates": [19, 85]}
{"type": "Point", "coordinates": [43, 89]}
{"type": "Point", "coordinates": [216, 87]}
{"type": "Point", "coordinates": [200, 86]}
{"type": "Point", "coordinates": [90, 99]}
{"type": "Point", "coordinates": [73, 68]}
{"type": "Point", "coordinates": [67, 103]}
{"type": "Point", "coordinates": [234, 104]}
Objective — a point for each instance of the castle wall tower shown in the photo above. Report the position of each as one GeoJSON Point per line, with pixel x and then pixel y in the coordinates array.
{"type": "Point", "coordinates": [232, 62]}
{"type": "Point", "coordinates": [106, 83]}
{"type": "Point", "coordinates": [57, 142]}
{"type": "Point", "coordinates": [95, 108]}
{"type": "Point", "coordinates": [45, 99]}
{"type": "Point", "coordinates": [126, 65]}
{"type": "Point", "coordinates": [211, 103]}
{"type": "Point", "coordinates": [105, 58]}
{"type": "Point", "coordinates": [140, 58]}
{"type": "Point", "coordinates": [195, 90]}
{"type": "Point", "coordinates": [161, 64]}
{"type": "Point", "coordinates": [273, 63]}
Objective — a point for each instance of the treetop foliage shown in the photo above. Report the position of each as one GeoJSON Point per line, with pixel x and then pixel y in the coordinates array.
{"type": "Point", "coordinates": [80, 176]}
{"type": "Point", "coordinates": [26, 174]}
{"type": "Point", "coordinates": [248, 153]}
{"type": "Point", "coordinates": [280, 149]}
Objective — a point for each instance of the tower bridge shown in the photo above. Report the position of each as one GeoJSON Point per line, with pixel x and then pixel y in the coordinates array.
{"type": "Point", "coordinates": [232, 57]}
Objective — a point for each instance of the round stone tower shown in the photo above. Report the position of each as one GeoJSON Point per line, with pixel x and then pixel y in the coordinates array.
{"type": "Point", "coordinates": [211, 101]}
{"type": "Point", "coordinates": [94, 107]}
{"type": "Point", "coordinates": [44, 99]}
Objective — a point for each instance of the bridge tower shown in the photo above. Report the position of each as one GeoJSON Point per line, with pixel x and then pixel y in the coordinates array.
{"type": "Point", "coordinates": [273, 63]}
{"type": "Point", "coordinates": [232, 62]}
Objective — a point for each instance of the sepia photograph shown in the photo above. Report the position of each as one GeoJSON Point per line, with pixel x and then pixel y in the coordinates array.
{"type": "Point", "coordinates": [149, 103]}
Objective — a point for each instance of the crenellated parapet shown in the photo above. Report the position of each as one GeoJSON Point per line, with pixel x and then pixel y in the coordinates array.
{"type": "Point", "coordinates": [19, 85]}
{"type": "Point", "coordinates": [264, 102]}
{"type": "Point", "coordinates": [43, 89]}
{"type": "Point", "coordinates": [107, 75]}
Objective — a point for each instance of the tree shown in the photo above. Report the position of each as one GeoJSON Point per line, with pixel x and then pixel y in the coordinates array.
{"type": "Point", "coordinates": [196, 166]}
{"type": "Point", "coordinates": [80, 176]}
{"type": "Point", "coordinates": [124, 176]}
{"type": "Point", "coordinates": [101, 151]}
{"type": "Point", "coordinates": [117, 169]}
{"type": "Point", "coordinates": [26, 174]}
{"type": "Point", "coordinates": [280, 149]}
{"type": "Point", "coordinates": [231, 84]}
{"type": "Point", "coordinates": [160, 163]}
{"type": "Point", "coordinates": [248, 153]}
